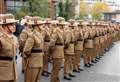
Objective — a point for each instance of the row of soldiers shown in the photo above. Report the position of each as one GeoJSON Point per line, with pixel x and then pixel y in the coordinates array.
{"type": "Point", "coordinates": [58, 40]}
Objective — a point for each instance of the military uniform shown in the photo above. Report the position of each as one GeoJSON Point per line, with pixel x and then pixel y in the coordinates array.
{"type": "Point", "coordinates": [8, 47]}
{"type": "Point", "coordinates": [46, 36]}
{"type": "Point", "coordinates": [79, 46]}
{"type": "Point", "coordinates": [69, 53]}
{"type": "Point", "coordinates": [96, 43]}
{"type": "Point", "coordinates": [33, 51]}
{"type": "Point", "coordinates": [57, 46]}
{"type": "Point", "coordinates": [77, 53]}
{"type": "Point", "coordinates": [88, 47]}
{"type": "Point", "coordinates": [22, 39]}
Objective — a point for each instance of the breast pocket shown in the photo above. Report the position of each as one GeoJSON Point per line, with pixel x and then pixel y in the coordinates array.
{"type": "Point", "coordinates": [4, 63]}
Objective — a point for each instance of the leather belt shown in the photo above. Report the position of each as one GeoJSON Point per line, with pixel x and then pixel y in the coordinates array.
{"type": "Point", "coordinates": [47, 40]}
{"type": "Point", "coordinates": [36, 50]}
{"type": "Point", "coordinates": [79, 40]}
{"type": "Point", "coordinates": [89, 38]}
{"type": "Point", "coordinates": [7, 58]}
{"type": "Point", "coordinates": [71, 42]}
{"type": "Point", "coordinates": [60, 44]}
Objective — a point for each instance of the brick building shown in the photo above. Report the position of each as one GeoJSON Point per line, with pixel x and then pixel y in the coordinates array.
{"type": "Point", "coordinates": [6, 5]}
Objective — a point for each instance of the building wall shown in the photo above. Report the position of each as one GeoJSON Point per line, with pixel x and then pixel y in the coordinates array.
{"type": "Point", "coordinates": [11, 5]}
{"type": "Point", "coordinates": [2, 6]}
{"type": "Point", "coordinates": [15, 4]}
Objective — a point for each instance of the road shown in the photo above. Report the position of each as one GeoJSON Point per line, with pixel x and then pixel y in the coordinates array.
{"type": "Point", "coordinates": [106, 70]}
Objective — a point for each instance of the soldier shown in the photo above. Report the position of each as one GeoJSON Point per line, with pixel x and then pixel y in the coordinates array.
{"type": "Point", "coordinates": [76, 37]}
{"type": "Point", "coordinates": [46, 36]}
{"type": "Point", "coordinates": [96, 43]}
{"type": "Point", "coordinates": [79, 45]}
{"type": "Point", "coordinates": [57, 48]}
{"type": "Point", "coordinates": [34, 50]}
{"type": "Point", "coordinates": [69, 52]}
{"type": "Point", "coordinates": [23, 37]}
{"type": "Point", "coordinates": [88, 46]}
{"type": "Point", "coordinates": [8, 47]}
{"type": "Point", "coordinates": [92, 27]}
{"type": "Point", "coordinates": [102, 40]}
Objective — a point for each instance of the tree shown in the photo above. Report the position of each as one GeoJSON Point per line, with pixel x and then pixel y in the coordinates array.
{"type": "Point", "coordinates": [35, 7]}
{"type": "Point", "coordinates": [84, 9]}
{"type": "Point", "coordinates": [40, 8]}
{"type": "Point", "coordinates": [98, 8]}
{"type": "Point", "coordinates": [64, 9]}
{"type": "Point", "coordinates": [67, 9]}
{"type": "Point", "coordinates": [61, 9]}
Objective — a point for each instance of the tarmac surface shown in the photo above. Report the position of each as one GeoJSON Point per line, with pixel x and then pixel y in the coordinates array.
{"type": "Point", "coordinates": [106, 70]}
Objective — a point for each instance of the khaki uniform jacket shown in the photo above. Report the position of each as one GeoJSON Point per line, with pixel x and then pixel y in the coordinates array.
{"type": "Point", "coordinates": [57, 37]}
{"type": "Point", "coordinates": [23, 37]}
{"type": "Point", "coordinates": [97, 39]}
{"type": "Point", "coordinates": [46, 37]}
{"type": "Point", "coordinates": [80, 41]}
{"type": "Point", "coordinates": [89, 40]}
{"type": "Point", "coordinates": [8, 47]}
{"type": "Point", "coordinates": [70, 39]}
{"type": "Point", "coordinates": [33, 43]}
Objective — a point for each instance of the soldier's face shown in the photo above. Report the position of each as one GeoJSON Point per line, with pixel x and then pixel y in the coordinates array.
{"type": "Point", "coordinates": [27, 26]}
{"type": "Point", "coordinates": [12, 27]}
{"type": "Point", "coordinates": [61, 26]}
{"type": "Point", "coordinates": [1, 28]}
{"type": "Point", "coordinates": [47, 24]}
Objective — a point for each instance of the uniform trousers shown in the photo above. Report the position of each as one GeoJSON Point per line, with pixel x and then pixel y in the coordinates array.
{"type": "Point", "coordinates": [33, 74]}
{"type": "Point", "coordinates": [56, 69]}
{"type": "Point", "coordinates": [45, 62]}
{"type": "Point", "coordinates": [78, 55]}
{"type": "Point", "coordinates": [68, 64]}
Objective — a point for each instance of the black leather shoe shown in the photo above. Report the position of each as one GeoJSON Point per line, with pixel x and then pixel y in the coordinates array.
{"type": "Point", "coordinates": [62, 67]}
{"type": "Point", "coordinates": [71, 75]}
{"type": "Point", "coordinates": [80, 69]}
{"type": "Point", "coordinates": [77, 71]}
{"type": "Point", "coordinates": [98, 58]}
{"type": "Point", "coordinates": [67, 78]}
{"type": "Point", "coordinates": [23, 71]}
{"type": "Point", "coordinates": [45, 74]}
{"type": "Point", "coordinates": [101, 56]}
{"type": "Point", "coordinates": [91, 64]}
{"type": "Point", "coordinates": [93, 61]}
{"type": "Point", "coordinates": [87, 65]}
{"type": "Point", "coordinates": [48, 72]}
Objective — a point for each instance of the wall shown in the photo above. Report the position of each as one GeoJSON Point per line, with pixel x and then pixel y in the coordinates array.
{"type": "Point", "coordinates": [2, 6]}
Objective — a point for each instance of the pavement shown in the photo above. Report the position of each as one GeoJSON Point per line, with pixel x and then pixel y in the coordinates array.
{"type": "Point", "coordinates": [106, 70]}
